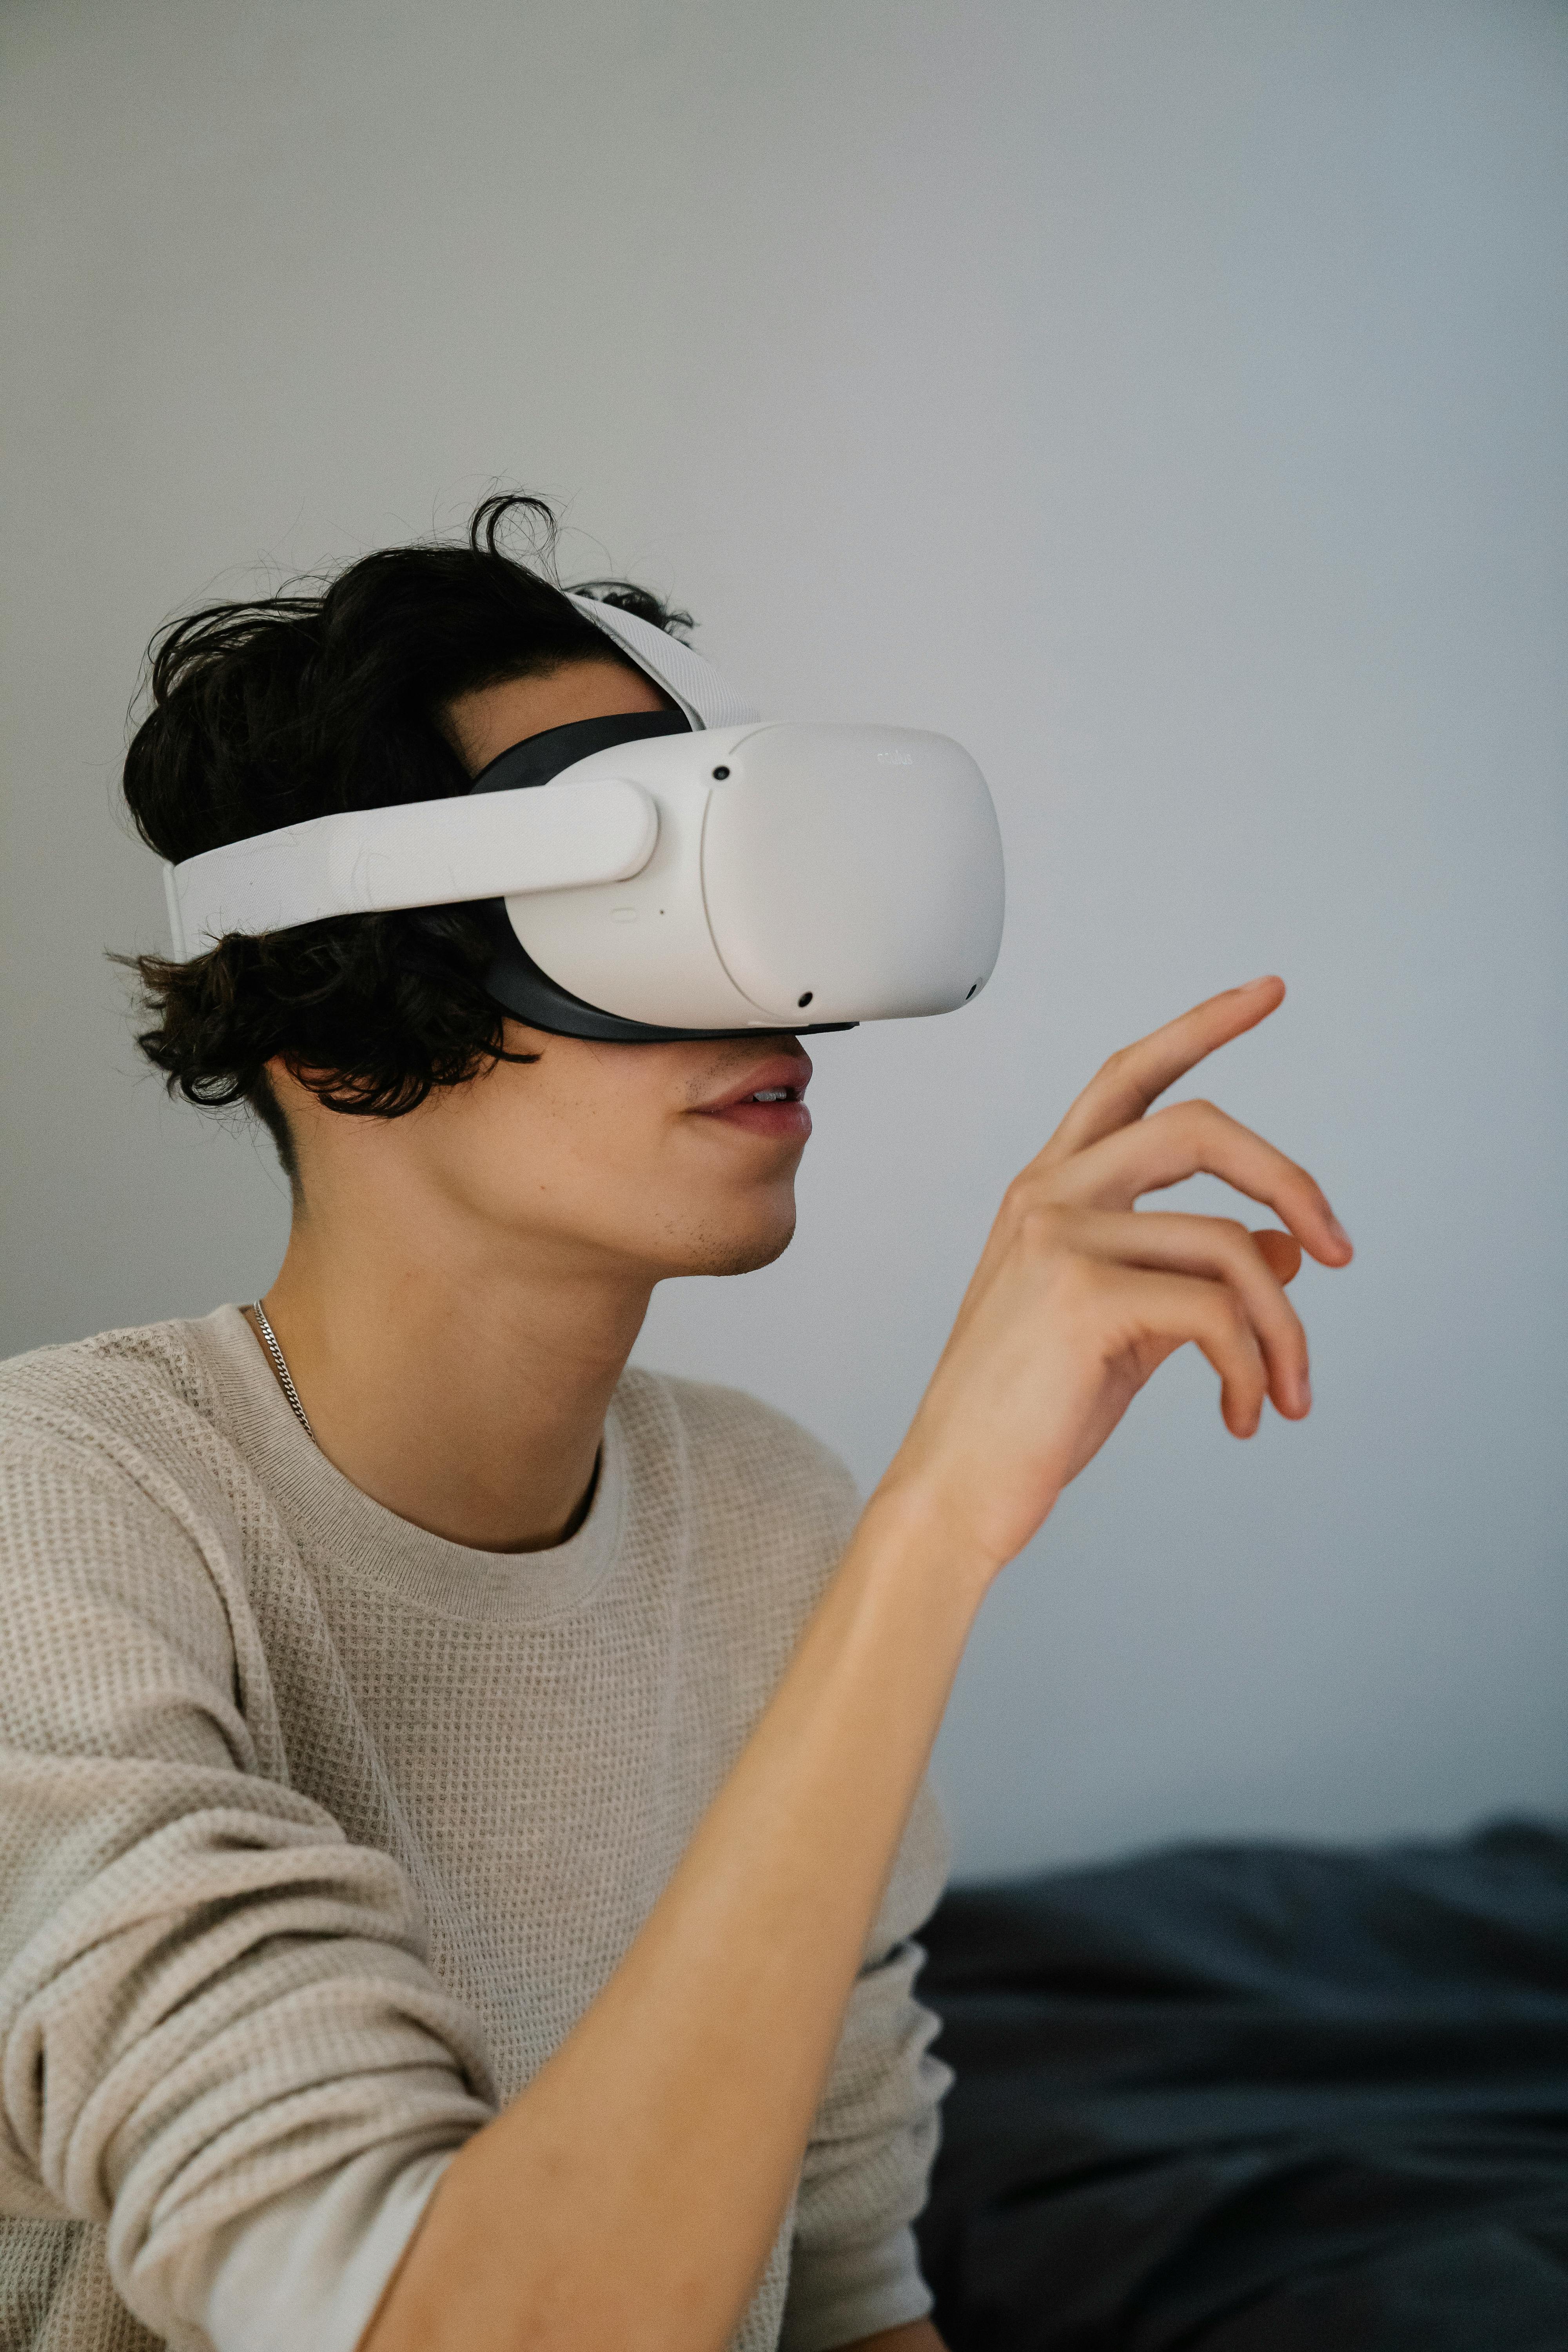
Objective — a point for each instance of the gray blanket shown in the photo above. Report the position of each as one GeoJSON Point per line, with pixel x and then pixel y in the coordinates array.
{"type": "Point", "coordinates": [1257, 2099]}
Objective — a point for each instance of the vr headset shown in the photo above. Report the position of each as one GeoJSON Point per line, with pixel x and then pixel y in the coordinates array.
{"type": "Point", "coordinates": [699, 872]}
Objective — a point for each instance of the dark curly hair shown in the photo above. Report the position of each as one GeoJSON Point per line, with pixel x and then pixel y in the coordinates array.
{"type": "Point", "coordinates": [267, 712]}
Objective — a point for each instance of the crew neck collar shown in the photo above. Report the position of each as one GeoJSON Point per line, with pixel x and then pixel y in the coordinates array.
{"type": "Point", "coordinates": [334, 1522]}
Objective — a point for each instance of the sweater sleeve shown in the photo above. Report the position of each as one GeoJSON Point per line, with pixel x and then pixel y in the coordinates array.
{"type": "Point", "coordinates": [208, 1997]}
{"type": "Point", "coordinates": [854, 2269]}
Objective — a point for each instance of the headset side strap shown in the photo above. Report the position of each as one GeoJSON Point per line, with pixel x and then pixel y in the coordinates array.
{"type": "Point", "coordinates": [423, 854]}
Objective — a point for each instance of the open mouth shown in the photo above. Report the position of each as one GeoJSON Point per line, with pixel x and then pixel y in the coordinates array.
{"type": "Point", "coordinates": [776, 1107]}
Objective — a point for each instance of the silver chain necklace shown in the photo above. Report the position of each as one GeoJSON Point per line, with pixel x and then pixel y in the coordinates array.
{"type": "Point", "coordinates": [270, 1337]}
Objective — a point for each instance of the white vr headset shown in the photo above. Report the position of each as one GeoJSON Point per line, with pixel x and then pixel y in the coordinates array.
{"type": "Point", "coordinates": [694, 873]}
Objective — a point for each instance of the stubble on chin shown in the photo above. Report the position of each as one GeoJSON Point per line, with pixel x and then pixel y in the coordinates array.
{"type": "Point", "coordinates": [717, 1253]}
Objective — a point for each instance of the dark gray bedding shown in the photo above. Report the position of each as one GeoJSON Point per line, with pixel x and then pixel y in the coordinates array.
{"type": "Point", "coordinates": [1257, 2099]}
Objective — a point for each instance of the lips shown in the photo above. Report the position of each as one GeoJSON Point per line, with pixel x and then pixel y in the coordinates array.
{"type": "Point", "coordinates": [768, 1100]}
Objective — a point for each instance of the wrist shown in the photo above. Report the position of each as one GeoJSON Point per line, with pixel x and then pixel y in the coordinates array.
{"type": "Point", "coordinates": [981, 1512]}
{"type": "Point", "coordinates": [916, 1521]}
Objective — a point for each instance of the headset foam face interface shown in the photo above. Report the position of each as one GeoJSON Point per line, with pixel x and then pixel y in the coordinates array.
{"type": "Point", "coordinates": [699, 871]}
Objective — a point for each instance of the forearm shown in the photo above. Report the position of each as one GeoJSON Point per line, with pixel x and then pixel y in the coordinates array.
{"type": "Point", "coordinates": [630, 2195]}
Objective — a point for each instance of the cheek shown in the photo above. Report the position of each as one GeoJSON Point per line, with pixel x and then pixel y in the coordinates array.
{"type": "Point", "coordinates": [566, 1144]}
{"type": "Point", "coordinates": [597, 1140]}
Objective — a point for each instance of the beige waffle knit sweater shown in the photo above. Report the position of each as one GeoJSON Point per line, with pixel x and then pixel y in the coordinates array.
{"type": "Point", "coordinates": [318, 1832]}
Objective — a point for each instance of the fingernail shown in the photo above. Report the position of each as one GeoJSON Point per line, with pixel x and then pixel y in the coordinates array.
{"type": "Point", "coordinates": [1306, 1393]}
{"type": "Point", "coordinates": [1338, 1232]}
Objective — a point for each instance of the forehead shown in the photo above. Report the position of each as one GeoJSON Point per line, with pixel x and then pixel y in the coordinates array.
{"type": "Point", "coordinates": [491, 718]}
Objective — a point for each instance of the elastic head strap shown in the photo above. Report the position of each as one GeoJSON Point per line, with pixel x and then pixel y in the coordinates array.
{"type": "Point", "coordinates": [686, 677]}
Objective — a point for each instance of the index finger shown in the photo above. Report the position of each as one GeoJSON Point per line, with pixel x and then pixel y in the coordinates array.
{"type": "Point", "coordinates": [1135, 1078]}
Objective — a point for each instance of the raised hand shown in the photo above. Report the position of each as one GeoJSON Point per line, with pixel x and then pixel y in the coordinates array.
{"type": "Point", "coordinates": [1079, 1297]}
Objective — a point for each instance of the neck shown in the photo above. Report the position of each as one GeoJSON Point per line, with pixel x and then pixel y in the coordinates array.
{"type": "Point", "coordinates": [466, 1394]}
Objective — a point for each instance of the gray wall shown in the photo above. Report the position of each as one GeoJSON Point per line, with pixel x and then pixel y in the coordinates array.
{"type": "Point", "coordinates": [1166, 400]}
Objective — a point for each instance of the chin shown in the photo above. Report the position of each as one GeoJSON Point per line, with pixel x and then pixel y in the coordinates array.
{"type": "Point", "coordinates": [738, 1252]}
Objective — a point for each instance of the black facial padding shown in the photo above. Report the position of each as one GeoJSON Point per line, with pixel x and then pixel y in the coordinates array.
{"type": "Point", "coordinates": [539, 757]}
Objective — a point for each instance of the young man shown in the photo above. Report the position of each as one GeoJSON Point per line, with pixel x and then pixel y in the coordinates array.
{"type": "Point", "coordinates": [464, 1822]}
